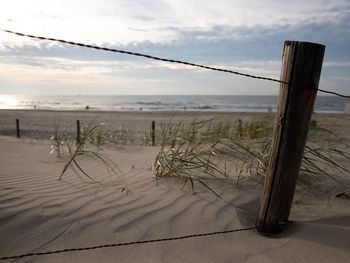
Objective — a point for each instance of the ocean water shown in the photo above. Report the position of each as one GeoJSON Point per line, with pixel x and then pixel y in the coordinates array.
{"type": "Point", "coordinates": [227, 103]}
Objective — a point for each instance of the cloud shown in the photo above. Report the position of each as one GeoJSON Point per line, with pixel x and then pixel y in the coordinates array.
{"type": "Point", "coordinates": [159, 21]}
{"type": "Point", "coordinates": [216, 44]}
{"type": "Point", "coordinates": [241, 35]}
{"type": "Point", "coordinates": [336, 64]}
{"type": "Point", "coordinates": [342, 78]}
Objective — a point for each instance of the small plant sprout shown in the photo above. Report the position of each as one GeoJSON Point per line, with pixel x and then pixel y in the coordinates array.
{"type": "Point", "coordinates": [57, 142]}
{"type": "Point", "coordinates": [98, 137]}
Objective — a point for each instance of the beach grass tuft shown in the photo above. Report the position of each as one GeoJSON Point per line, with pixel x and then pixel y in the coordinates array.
{"type": "Point", "coordinates": [235, 151]}
{"type": "Point", "coordinates": [240, 151]}
{"type": "Point", "coordinates": [95, 136]}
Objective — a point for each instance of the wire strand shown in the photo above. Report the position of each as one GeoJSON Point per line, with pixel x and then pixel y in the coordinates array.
{"type": "Point", "coordinates": [333, 93]}
{"type": "Point", "coordinates": [143, 55]}
{"type": "Point", "coordinates": [162, 59]}
{"type": "Point", "coordinates": [127, 243]}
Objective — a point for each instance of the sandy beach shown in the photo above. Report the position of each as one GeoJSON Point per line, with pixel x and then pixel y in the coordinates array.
{"type": "Point", "coordinates": [39, 213]}
{"type": "Point", "coordinates": [39, 124]}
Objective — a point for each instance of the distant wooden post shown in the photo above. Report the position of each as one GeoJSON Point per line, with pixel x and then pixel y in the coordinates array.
{"type": "Point", "coordinates": [153, 133]}
{"type": "Point", "coordinates": [301, 68]}
{"type": "Point", "coordinates": [78, 132]}
{"type": "Point", "coordinates": [347, 108]}
{"type": "Point", "coordinates": [17, 129]}
{"type": "Point", "coordinates": [240, 128]}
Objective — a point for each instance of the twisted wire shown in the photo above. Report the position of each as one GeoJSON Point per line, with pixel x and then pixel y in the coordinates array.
{"type": "Point", "coordinates": [163, 59]}
{"type": "Point", "coordinates": [334, 93]}
{"type": "Point", "coordinates": [143, 55]}
{"type": "Point", "coordinates": [127, 243]}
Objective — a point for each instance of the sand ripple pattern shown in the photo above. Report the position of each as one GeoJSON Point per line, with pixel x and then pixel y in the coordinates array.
{"type": "Point", "coordinates": [40, 213]}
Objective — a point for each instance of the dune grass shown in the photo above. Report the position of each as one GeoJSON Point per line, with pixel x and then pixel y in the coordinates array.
{"type": "Point", "coordinates": [234, 151]}
{"type": "Point", "coordinates": [93, 135]}
{"type": "Point", "coordinates": [238, 152]}
{"type": "Point", "coordinates": [57, 142]}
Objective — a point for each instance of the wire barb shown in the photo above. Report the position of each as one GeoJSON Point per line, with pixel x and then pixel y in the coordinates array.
{"type": "Point", "coordinates": [128, 243]}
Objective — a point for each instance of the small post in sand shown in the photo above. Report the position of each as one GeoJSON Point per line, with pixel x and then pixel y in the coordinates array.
{"type": "Point", "coordinates": [240, 128]}
{"type": "Point", "coordinates": [347, 108]}
{"type": "Point", "coordinates": [78, 132]}
{"type": "Point", "coordinates": [153, 133]}
{"type": "Point", "coordinates": [17, 129]}
{"type": "Point", "coordinates": [300, 73]}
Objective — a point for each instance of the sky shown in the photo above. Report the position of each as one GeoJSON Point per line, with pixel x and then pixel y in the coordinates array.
{"type": "Point", "coordinates": [241, 35]}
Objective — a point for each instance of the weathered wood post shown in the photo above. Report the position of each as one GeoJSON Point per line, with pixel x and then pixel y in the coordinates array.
{"type": "Point", "coordinates": [301, 69]}
{"type": "Point", "coordinates": [78, 132]}
{"type": "Point", "coordinates": [153, 133]}
{"type": "Point", "coordinates": [17, 129]}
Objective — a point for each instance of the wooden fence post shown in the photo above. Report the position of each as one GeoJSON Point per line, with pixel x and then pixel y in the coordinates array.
{"type": "Point", "coordinates": [153, 133]}
{"type": "Point", "coordinates": [301, 69]}
{"type": "Point", "coordinates": [17, 129]}
{"type": "Point", "coordinates": [240, 128]}
{"type": "Point", "coordinates": [78, 132]}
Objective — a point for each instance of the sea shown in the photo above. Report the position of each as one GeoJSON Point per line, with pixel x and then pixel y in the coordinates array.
{"type": "Point", "coordinates": [216, 103]}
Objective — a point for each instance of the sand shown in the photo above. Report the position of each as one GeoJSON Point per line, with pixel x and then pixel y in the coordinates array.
{"type": "Point", "coordinates": [38, 213]}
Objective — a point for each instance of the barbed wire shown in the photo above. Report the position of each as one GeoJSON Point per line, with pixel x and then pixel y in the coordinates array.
{"type": "Point", "coordinates": [333, 93]}
{"type": "Point", "coordinates": [162, 59]}
{"type": "Point", "coordinates": [127, 243]}
{"type": "Point", "coordinates": [143, 55]}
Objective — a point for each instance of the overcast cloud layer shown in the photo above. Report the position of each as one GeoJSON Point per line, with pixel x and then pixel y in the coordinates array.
{"type": "Point", "coordinates": [240, 35]}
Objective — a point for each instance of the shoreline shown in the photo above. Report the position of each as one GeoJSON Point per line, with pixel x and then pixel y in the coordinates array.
{"type": "Point", "coordinates": [163, 111]}
{"type": "Point", "coordinates": [209, 103]}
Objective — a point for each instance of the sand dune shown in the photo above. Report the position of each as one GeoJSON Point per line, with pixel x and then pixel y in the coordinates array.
{"type": "Point", "coordinates": [39, 213]}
